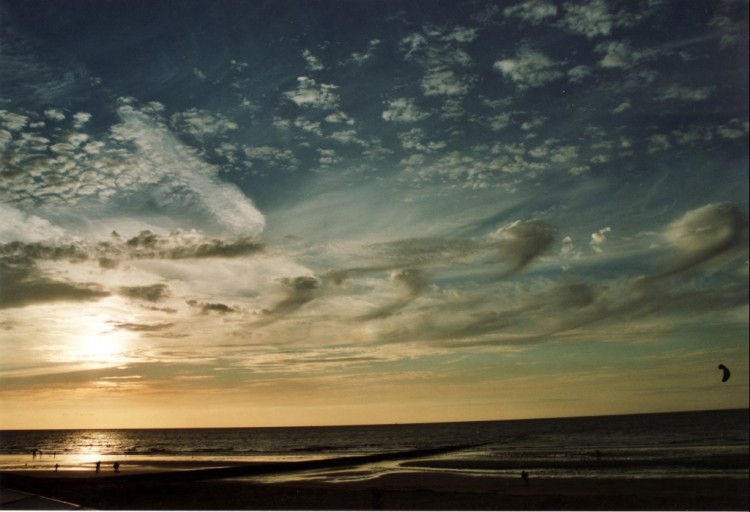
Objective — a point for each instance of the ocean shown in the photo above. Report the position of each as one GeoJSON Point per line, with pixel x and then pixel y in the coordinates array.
{"type": "Point", "coordinates": [686, 444]}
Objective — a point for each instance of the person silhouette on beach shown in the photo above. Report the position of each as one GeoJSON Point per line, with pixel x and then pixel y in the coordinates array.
{"type": "Point", "coordinates": [116, 465]}
{"type": "Point", "coordinates": [56, 466]}
{"type": "Point", "coordinates": [525, 477]}
{"type": "Point", "coordinates": [98, 466]}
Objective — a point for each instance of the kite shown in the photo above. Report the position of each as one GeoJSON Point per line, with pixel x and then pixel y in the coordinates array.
{"type": "Point", "coordinates": [727, 373]}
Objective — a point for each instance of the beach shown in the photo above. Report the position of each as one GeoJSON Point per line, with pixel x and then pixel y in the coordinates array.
{"type": "Point", "coordinates": [637, 462]}
{"type": "Point", "coordinates": [175, 487]}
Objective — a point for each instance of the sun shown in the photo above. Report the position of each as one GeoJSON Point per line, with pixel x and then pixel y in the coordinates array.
{"type": "Point", "coordinates": [101, 347]}
{"type": "Point", "coordinates": [98, 341]}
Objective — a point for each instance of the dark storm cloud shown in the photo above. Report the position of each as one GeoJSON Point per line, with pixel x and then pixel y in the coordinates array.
{"type": "Point", "coordinates": [23, 285]}
{"type": "Point", "coordinates": [152, 293]}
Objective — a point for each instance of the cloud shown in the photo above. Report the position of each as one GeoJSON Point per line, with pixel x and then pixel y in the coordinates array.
{"type": "Point", "coordinates": [16, 225]}
{"type": "Point", "coordinates": [658, 142]}
{"type": "Point", "coordinates": [522, 241]}
{"type": "Point", "coordinates": [313, 63]}
{"type": "Point", "coordinates": [411, 283]}
{"type": "Point", "coordinates": [81, 118]}
{"type": "Point", "coordinates": [348, 137]}
{"type": "Point", "coordinates": [596, 18]}
{"type": "Point", "coordinates": [308, 126]}
{"type": "Point", "coordinates": [23, 285]}
{"type": "Point", "coordinates": [425, 252]}
{"type": "Point", "coordinates": [180, 182]}
{"type": "Point", "coordinates": [209, 307]}
{"type": "Point", "coordinates": [177, 245]}
{"type": "Point", "coordinates": [622, 107]}
{"type": "Point", "coordinates": [530, 68]}
{"type": "Point", "coordinates": [444, 82]}
{"type": "Point", "coordinates": [730, 20]}
{"type": "Point", "coordinates": [403, 110]}
{"type": "Point", "coordinates": [151, 293]}
{"type": "Point", "coordinates": [12, 121]}
{"type": "Point", "coordinates": [517, 244]}
{"type": "Point", "coordinates": [440, 52]}
{"type": "Point", "coordinates": [706, 233]}
{"type": "Point", "coordinates": [578, 73]}
{"type": "Point", "coordinates": [184, 245]}
{"type": "Point", "coordinates": [531, 11]}
{"type": "Point", "coordinates": [143, 327]}
{"type": "Point", "coordinates": [619, 54]}
{"type": "Point", "coordinates": [29, 253]}
{"type": "Point", "coordinates": [683, 93]}
{"type": "Point", "coordinates": [361, 58]}
{"type": "Point", "coordinates": [299, 291]}
{"type": "Point", "coordinates": [598, 239]}
{"type": "Point", "coordinates": [272, 156]}
{"type": "Point", "coordinates": [202, 124]}
{"type": "Point", "coordinates": [310, 94]}
{"type": "Point", "coordinates": [414, 139]}
{"type": "Point", "coordinates": [138, 169]}
{"type": "Point", "coordinates": [54, 114]}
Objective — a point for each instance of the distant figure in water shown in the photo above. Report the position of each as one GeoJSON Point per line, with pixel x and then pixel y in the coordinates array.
{"type": "Point", "coordinates": [33, 454]}
{"type": "Point", "coordinates": [116, 465]}
{"type": "Point", "coordinates": [56, 466]}
{"type": "Point", "coordinates": [525, 477]}
{"type": "Point", "coordinates": [98, 466]}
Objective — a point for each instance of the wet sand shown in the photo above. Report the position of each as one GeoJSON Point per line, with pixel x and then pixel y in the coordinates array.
{"type": "Point", "coordinates": [401, 490]}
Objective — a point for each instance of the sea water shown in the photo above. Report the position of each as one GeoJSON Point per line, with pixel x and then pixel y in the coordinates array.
{"type": "Point", "coordinates": [687, 444]}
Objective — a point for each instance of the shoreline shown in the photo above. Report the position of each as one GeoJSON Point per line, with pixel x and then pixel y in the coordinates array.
{"type": "Point", "coordinates": [398, 490]}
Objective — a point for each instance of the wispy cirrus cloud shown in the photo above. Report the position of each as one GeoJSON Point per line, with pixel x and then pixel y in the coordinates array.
{"type": "Point", "coordinates": [139, 166]}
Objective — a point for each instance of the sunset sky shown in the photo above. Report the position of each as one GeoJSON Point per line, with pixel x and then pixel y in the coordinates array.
{"type": "Point", "coordinates": [299, 212]}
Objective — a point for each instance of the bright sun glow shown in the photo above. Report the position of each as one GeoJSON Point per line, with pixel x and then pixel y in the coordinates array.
{"type": "Point", "coordinates": [96, 340]}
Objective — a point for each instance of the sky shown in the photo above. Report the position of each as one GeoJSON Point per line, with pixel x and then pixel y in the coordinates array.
{"type": "Point", "coordinates": [317, 212]}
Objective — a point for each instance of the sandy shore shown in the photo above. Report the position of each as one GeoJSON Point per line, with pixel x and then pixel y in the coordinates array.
{"type": "Point", "coordinates": [392, 491]}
